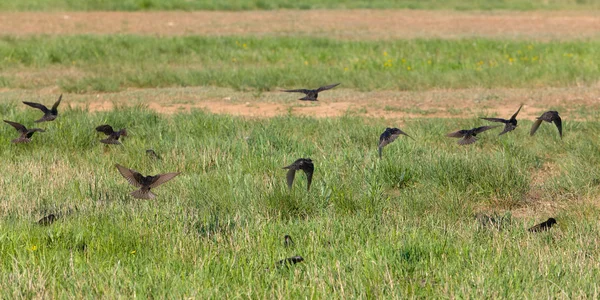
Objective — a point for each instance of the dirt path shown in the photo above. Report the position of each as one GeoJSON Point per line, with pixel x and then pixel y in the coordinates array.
{"type": "Point", "coordinates": [345, 24]}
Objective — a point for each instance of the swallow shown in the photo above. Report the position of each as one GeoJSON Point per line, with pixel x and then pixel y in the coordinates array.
{"type": "Point", "coordinates": [152, 154]}
{"type": "Point", "coordinates": [287, 241]}
{"type": "Point", "coordinates": [549, 116]}
{"type": "Point", "coordinates": [388, 136]}
{"type": "Point", "coordinates": [47, 220]}
{"type": "Point", "coordinates": [510, 124]}
{"type": "Point", "coordinates": [49, 114]}
{"type": "Point", "coordinates": [145, 183]}
{"type": "Point", "coordinates": [468, 135]}
{"type": "Point", "coordinates": [25, 133]}
{"type": "Point", "coordinates": [113, 136]}
{"type": "Point", "coordinates": [290, 261]}
{"type": "Point", "coordinates": [304, 164]}
{"type": "Point", "coordinates": [543, 226]}
{"type": "Point", "coordinates": [312, 95]}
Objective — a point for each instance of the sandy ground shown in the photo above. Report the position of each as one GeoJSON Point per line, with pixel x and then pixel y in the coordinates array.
{"type": "Point", "coordinates": [345, 24]}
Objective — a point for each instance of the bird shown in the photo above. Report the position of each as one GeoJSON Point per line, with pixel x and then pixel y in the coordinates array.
{"type": "Point", "coordinates": [510, 124]}
{"type": "Point", "coordinates": [304, 164]}
{"type": "Point", "coordinates": [152, 154]}
{"type": "Point", "coordinates": [113, 136]}
{"type": "Point", "coordinates": [549, 116]}
{"type": "Point", "coordinates": [49, 114]}
{"type": "Point", "coordinates": [287, 241]}
{"type": "Point", "coordinates": [543, 226]}
{"type": "Point", "coordinates": [388, 136]}
{"type": "Point", "coordinates": [290, 261]}
{"type": "Point", "coordinates": [312, 95]}
{"type": "Point", "coordinates": [47, 220]}
{"type": "Point", "coordinates": [25, 133]}
{"type": "Point", "coordinates": [468, 135]}
{"type": "Point", "coordinates": [145, 183]}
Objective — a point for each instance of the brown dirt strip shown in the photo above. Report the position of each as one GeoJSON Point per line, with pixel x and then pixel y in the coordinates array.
{"type": "Point", "coordinates": [344, 24]}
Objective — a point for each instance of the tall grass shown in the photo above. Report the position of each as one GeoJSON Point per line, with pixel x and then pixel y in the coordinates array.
{"type": "Point", "coordinates": [397, 227]}
{"type": "Point", "coordinates": [110, 63]}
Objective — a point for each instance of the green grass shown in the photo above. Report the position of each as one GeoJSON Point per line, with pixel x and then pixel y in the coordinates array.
{"type": "Point", "coordinates": [398, 227]}
{"type": "Point", "coordinates": [111, 63]}
{"type": "Point", "coordinates": [134, 5]}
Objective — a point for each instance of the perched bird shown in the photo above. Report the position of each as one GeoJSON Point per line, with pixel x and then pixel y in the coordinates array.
{"type": "Point", "coordinates": [543, 226]}
{"type": "Point", "coordinates": [304, 164]}
{"type": "Point", "coordinates": [290, 261]}
{"type": "Point", "coordinates": [468, 135]}
{"type": "Point", "coordinates": [113, 136]}
{"type": "Point", "coordinates": [49, 114]}
{"type": "Point", "coordinates": [145, 183]}
{"type": "Point", "coordinates": [47, 220]}
{"type": "Point", "coordinates": [312, 95]}
{"type": "Point", "coordinates": [25, 133]}
{"type": "Point", "coordinates": [152, 154]}
{"type": "Point", "coordinates": [549, 116]}
{"type": "Point", "coordinates": [510, 124]}
{"type": "Point", "coordinates": [388, 136]}
{"type": "Point", "coordinates": [287, 241]}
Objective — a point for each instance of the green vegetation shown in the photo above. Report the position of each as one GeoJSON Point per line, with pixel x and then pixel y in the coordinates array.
{"type": "Point", "coordinates": [398, 227]}
{"type": "Point", "coordinates": [111, 63]}
{"type": "Point", "coordinates": [133, 5]}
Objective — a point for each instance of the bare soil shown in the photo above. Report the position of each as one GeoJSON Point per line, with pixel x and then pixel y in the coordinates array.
{"type": "Point", "coordinates": [345, 24]}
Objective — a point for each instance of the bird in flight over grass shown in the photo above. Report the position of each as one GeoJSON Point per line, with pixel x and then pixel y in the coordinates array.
{"type": "Point", "coordinates": [145, 183]}
{"type": "Point", "coordinates": [287, 241]}
{"type": "Point", "coordinates": [468, 135]}
{"type": "Point", "coordinates": [549, 116]}
{"type": "Point", "coordinates": [543, 226]}
{"type": "Point", "coordinates": [388, 136]}
{"type": "Point", "coordinates": [113, 136]}
{"type": "Point", "coordinates": [47, 220]}
{"type": "Point", "coordinates": [312, 95]}
{"type": "Point", "coordinates": [25, 133]}
{"type": "Point", "coordinates": [290, 261]}
{"type": "Point", "coordinates": [510, 124]}
{"type": "Point", "coordinates": [304, 164]}
{"type": "Point", "coordinates": [49, 114]}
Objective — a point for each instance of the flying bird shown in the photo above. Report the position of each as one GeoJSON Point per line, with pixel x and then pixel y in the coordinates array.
{"type": "Point", "coordinates": [388, 136]}
{"type": "Point", "coordinates": [47, 220]}
{"type": "Point", "coordinates": [287, 241]}
{"type": "Point", "coordinates": [312, 95]}
{"type": "Point", "coordinates": [304, 164]}
{"type": "Point", "coordinates": [145, 183]}
{"type": "Point", "coordinates": [549, 116]}
{"type": "Point", "coordinates": [543, 226]}
{"type": "Point", "coordinates": [152, 154]}
{"type": "Point", "coordinates": [25, 133]}
{"type": "Point", "coordinates": [468, 135]}
{"type": "Point", "coordinates": [510, 124]}
{"type": "Point", "coordinates": [290, 261]}
{"type": "Point", "coordinates": [49, 114]}
{"type": "Point", "coordinates": [113, 136]}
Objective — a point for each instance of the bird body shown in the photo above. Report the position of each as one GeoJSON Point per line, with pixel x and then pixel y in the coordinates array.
{"type": "Point", "coordinates": [509, 125]}
{"type": "Point", "coordinates": [113, 136]}
{"type": "Point", "coordinates": [290, 261]}
{"type": "Point", "coordinates": [468, 136]}
{"type": "Point", "coordinates": [26, 134]}
{"type": "Point", "coordinates": [549, 116]}
{"type": "Point", "coordinates": [388, 136]}
{"type": "Point", "coordinates": [543, 226]}
{"type": "Point", "coordinates": [47, 220]}
{"type": "Point", "coordinates": [311, 95]}
{"type": "Point", "coordinates": [304, 164]}
{"type": "Point", "coordinates": [49, 114]}
{"type": "Point", "coordinates": [145, 183]}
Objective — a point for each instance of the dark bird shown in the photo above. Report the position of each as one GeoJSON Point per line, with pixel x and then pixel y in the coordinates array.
{"type": "Point", "coordinates": [304, 164]}
{"type": "Point", "coordinates": [49, 114]}
{"type": "Point", "coordinates": [113, 136]}
{"type": "Point", "coordinates": [549, 116]}
{"type": "Point", "coordinates": [47, 220]}
{"type": "Point", "coordinates": [543, 226]}
{"type": "Point", "coordinates": [152, 154]}
{"type": "Point", "coordinates": [312, 95]}
{"type": "Point", "coordinates": [287, 241]}
{"type": "Point", "coordinates": [510, 124]}
{"type": "Point", "coordinates": [25, 133]}
{"type": "Point", "coordinates": [145, 183]}
{"type": "Point", "coordinates": [388, 136]}
{"type": "Point", "coordinates": [290, 261]}
{"type": "Point", "coordinates": [468, 135]}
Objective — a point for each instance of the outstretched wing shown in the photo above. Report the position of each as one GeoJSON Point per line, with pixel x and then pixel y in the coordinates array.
{"type": "Point", "coordinates": [37, 105]}
{"type": "Point", "coordinates": [507, 128]}
{"type": "Point", "coordinates": [535, 126]}
{"type": "Point", "coordinates": [456, 134]}
{"type": "Point", "coordinates": [469, 139]}
{"type": "Point", "coordinates": [162, 178]}
{"type": "Point", "coordinates": [309, 175]}
{"type": "Point", "coordinates": [305, 91]}
{"type": "Point", "coordinates": [558, 122]}
{"type": "Point", "coordinates": [55, 106]}
{"type": "Point", "coordinates": [484, 128]}
{"type": "Point", "coordinates": [495, 120]}
{"type": "Point", "coordinates": [515, 115]}
{"type": "Point", "coordinates": [19, 127]}
{"type": "Point", "coordinates": [132, 176]}
{"type": "Point", "coordinates": [290, 177]}
{"type": "Point", "coordinates": [327, 87]}
{"type": "Point", "coordinates": [106, 129]}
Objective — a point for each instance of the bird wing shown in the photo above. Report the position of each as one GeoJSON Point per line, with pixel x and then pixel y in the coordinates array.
{"type": "Point", "coordinates": [535, 126]}
{"type": "Point", "coordinates": [495, 120]}
{"type": "Point", "coordinates": [132, 176]}
{"type": "Point", "coordinates": [327, 87]}
{"type": "Point", "coordinates": [386, 140]}
{"type": "Point", "coordinates": [507, 128]}
{"type": "Point", "coordinates": [162, 178]}
{"type": "Point", "coordinates": [484, 128]}
{"type": "Point", "coordinates": [55, 106]}
{"type": "Point", "coordinates": [469, 139]}
{"type": "Point", "coordinates": [305, 91]}
{"type": "Point", "coordinates": [309, 174]}
{"type": "Point", "coordinates": [111, 140]}
{"type": "Point", "coordinates": [515, 115]}
{"type": "Point", "coordinates": [558, 122]}
{"type": "Point", "coordinates": [37, 105]}
{"type": "Point", "coordinates": [290, 177]}
{"type": "Point", "coordinates": [106, 129]}
{"type": "Point", "coordinates": [19, 127]}
{"type": "Point", "coordinates": [456, 134]}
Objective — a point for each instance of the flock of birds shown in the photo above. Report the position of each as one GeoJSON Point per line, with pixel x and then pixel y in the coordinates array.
{"type": "Point", "coordinates": [146, 183]}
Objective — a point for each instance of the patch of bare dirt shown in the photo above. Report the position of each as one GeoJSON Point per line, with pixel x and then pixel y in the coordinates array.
{"type": "Point", "coordinates": [345, 24]}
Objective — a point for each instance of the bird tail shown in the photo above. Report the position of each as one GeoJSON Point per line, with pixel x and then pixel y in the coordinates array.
{"type": "Point", "coordinates": [141, 194]}
{"type": "Point", "coordinates": [380, 150]}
